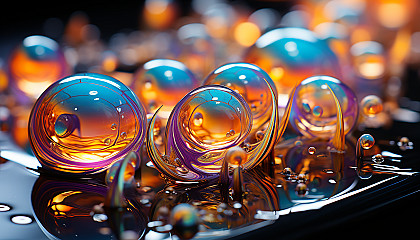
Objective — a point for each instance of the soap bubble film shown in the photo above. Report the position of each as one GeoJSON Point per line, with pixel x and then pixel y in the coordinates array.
{"type": "Point", "coordinates": [85, 122]}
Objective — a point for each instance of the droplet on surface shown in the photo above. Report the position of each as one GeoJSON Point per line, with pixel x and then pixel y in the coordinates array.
{"type": "Point", "coordinates": [123, 135]}
{"type": "Point", "coordinates": [301, 189]}
{"type": "Point", "coordinates": [311, 150]}
{"type": "Point", "coordinates": [405, 144]}
{"type": "Point", "coordinates": [236, 156]}
{"type": "Point", "coordinates": [371, 105]}
{"type": "Point", "coordinates": [65, 125]}
{"type": "Point", "coordinates": [114, 126]}
{"type": "Point", "coordinates": [366, 141]}
{"type": "Point", "coordinates": [378, 158]}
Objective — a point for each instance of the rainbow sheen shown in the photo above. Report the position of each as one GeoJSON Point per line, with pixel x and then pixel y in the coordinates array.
{"type": "Point", "coordinates": [85, 122]}
{"type": "Point", "coordinates": [185, 221]}
{"type": "Point", "coordinates": [163, 82]}
{"type": "Point", "coordinates": [202, 127]}
{"type": "Point", "coordinates": [36, 64]}
{"type": "Point", "coordinates": [320, 121]}
{"type": "Point", "coordinates": [252, 83]}
{"type": "Point", "coordinates": [292, 54]}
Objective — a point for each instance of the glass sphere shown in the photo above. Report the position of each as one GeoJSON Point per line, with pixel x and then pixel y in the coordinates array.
{"type": "Point", "coordinates": [292, 54]}
{"type": "Point", "coordinates": [366, 141]}
{"type": "Point", "coordinates": [163, 82]}
{"type": "Point", "coordinates": [252, 83]}
{"type": "Point", "coordinates": [85, 122]}
{"type": "Point", "coordinates": [314, 112]}
{"type": "Point", "coordinates": [203, 125]}
{"type": "Point", "coordinates": [36, 64]}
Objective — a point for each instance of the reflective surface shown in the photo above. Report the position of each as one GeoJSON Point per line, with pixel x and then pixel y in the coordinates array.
{"type": "Point", "coordinates": [84, 123]}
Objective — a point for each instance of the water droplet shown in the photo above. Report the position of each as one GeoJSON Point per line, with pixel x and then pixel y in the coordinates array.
{"type": "Point", "coordinates": [107, 141]}
{"type": "Point", "coordinates": [247, 147]}
{"type": "Point", "coordinates": [301, 189]}
{"type": "Point", "coordinates": [123, 135]}
{"type": "Point", "coordinates": [378, 158]}
{"type": "Point", "coordinates": [298, 143]}
{"type": "Point", "coordinates": [5, 207]}
{"type": "Point", "coordinates": [198, 119]}
{"type": "Point", "coordinates": [405, 144]}
{"type": "Point", "coordinates": [253, 107]}
{"type": "Point", "coordinates": [65, 125]}
{"type": "Point", "coordinates": [259, 135]}
{"type": "Point", "coordinates": [185, 221]}
{"type": "Point", "coordinates": [317, 111]}
{"type": "Point", "coordinates": [21, 219]}
{"type": "Point", "coordinates": [366, 141]}
{"type": "Point", "coordinates": [231, 132]}
{"type": "Point", "coordinates": [114, 126]}
{"type": "Point", "coordinates": [371, 105]}
{"type": "Point", "coordinates": [287, 171]}
{"type": "Point", "coordinates": [311, 150]}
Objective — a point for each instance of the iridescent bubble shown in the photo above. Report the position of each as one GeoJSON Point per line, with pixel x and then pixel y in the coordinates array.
{"type": "Point", "coordinates": [252, 83]}
{"type": "Point", "coordinates": [163, 82]}
{"type": "Point", "coordinates": [35, 64]}
{"type": "Point", "coordinates": [371, 105]}
{"type": "Point", "coordinates": [366, 141]}
{"type": "Point", "coordinates": [313, 93]}
{"type": "Point", "coordinates": [200, 148]}
{"type": "Point", "coordinates": [91, 120]}
{"type": "Point", "coordinates": [185, 221]}
{"type": "Point", "coordinates": [236, 156]}
{"type": "Point", "coordinates": [292, 54]}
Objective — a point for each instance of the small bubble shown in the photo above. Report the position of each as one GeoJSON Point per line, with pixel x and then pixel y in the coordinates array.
{"type": "Point", "coordinates": [198, 119]}
{"type": "Point", "coordinates": [301, 189]}
{"type": "Point", "coordinates": [371, 105]}
{"type": "Point", "coordinates": [259, 135]}
{"type": "Point", "coordinates": [247, 147]}
{"type": "Point", "coordinates": [405, 144]}
{"type": "Point", "coordinates": [253, 107]}
{"type": "Point", "coordinates": [298, 143]}
{"type": "Point", "coordinates": [123, 135]}
{"type": "Point", "coordinates": [378, 158]}
{"type": "Point", "coordinates": [230, 133]}
{"type": "Point", "coordinates": [366, 141]}
{"type": "Point", "coordinates": [317, 111]}
{"type": "Point", "coordinates": [107, 141]}
{"type": "Point", "coordinates": [236, 156]}
{"type": "Point", "coordinates": [114, 126]}
{"type": "Point", "coordinates": [287, 171]}
{"type": "Point", "coordinates": [311, 150]}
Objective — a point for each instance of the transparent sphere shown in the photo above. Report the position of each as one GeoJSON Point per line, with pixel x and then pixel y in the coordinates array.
{"type": "Point", "coordinates": [366, 141]}
{"type": "Point", "coordinates": [163, 82]}
{"type": "Point", "coordinates": [292, 54]}
{"type": "Point", "coordinates": [36, 64]}
{"type": "Point", "coordinates": [185, 221]}
{"type": "Point", "coordinates": [314, 112]}
{"type": "Point", "coordinates": [236, 156]}
{"type": "Point", "coordinates": [371, 105]}
{"type": "Point", "coordinates": [252, 83]}
{"type": "Point", "coordinates": [85, 122]}
{"type": "Point", "coordinates": [203, 125]}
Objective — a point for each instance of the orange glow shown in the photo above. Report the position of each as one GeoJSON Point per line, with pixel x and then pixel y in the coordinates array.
{"type": "Point", "coordinates": [371, 67]}
{"type": "Point", "coordinates": [4, 81]}
{"type": "Point", "coordinates": [247, 33]}
{"type": "Point", "coordinates": [159, 14]}
{"type": "Point", "coordinates": [394, 13]}
{"type": "Point", "coordinates": [216, 27]}
{"type": "Point", "coordinates": [360, 34]}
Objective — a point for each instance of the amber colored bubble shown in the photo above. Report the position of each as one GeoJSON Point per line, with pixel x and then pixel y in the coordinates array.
{"type": "Point", "coordinates": [236, 156]}
{"type": "Point", "coordinates": [371, 105]}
